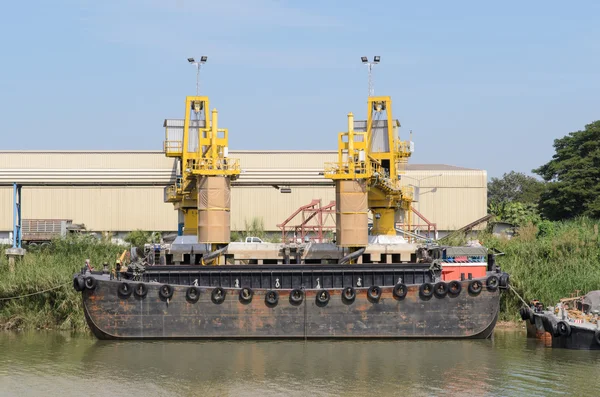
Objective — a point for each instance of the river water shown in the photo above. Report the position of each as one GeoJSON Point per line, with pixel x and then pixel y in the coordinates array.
{"type": "Point", "coordinates": [55, 364]}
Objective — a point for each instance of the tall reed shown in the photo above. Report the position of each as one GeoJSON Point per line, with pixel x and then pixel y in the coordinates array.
{"type": "Point", "coordinates": [44, 268]}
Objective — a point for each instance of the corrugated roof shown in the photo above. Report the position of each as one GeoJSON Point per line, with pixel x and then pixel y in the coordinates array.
{"type": "Point", "coordinates": [437, 167]}
{"type": "Point", "coordinates": [409, 166]}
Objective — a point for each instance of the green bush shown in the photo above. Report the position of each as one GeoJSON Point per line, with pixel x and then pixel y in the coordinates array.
{"type": "Point", "coordinates": [549, 261]}
{"type": "Point", "coordinates": [37, 271]}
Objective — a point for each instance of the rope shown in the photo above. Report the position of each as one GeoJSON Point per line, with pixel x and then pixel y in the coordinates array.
{"type": "Point", "coordinates": [35, 293]}
{"type": "Point", "coordinates": [519, 296]}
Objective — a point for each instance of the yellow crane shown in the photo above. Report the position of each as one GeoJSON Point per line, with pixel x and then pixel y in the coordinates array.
{"type": "Point", "coordinates": [201, 192]}
{"type": "Point", "coordinates": [371, 160]}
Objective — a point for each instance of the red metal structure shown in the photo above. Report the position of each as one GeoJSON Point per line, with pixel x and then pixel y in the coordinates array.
{"type": "Point", "coordinates": [430, 226]}
{"type": "Point", "coordinates": [314, 219]}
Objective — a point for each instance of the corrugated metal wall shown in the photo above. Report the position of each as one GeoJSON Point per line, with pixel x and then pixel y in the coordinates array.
{"type": "Point", "coordinates": [452, 200]}
{"type": "Point", "coordinates": [271, 205]}
{"type": "Point", "coordinates": [85, 160]}
{"type": "Point", "coordinates": [99, 208]}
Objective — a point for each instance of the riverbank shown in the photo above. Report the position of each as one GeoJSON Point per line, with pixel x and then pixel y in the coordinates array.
{"type": "Point", "coordinates": [546, 262]}
{"type": "Point", "coordinates": [50, 269]}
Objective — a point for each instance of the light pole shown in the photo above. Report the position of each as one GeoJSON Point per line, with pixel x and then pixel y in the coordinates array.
{"type": "Point", "coordinates": [365, 61]}
{"type": "Point", "coordinates": [198, 65]}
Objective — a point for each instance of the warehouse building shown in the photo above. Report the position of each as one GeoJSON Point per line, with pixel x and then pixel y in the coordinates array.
{"type": "Point", "coordinates": [121, 191]}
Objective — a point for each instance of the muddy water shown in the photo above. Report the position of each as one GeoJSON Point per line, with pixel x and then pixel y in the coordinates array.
{"type": "Point", "coordinates": [49, 364]}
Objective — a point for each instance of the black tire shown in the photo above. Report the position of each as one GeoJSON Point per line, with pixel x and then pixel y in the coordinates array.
{"type": "Point", "coordinates": [246, 295]}
{"type": "Point", "coordinates": [165, 291]}
{"type": "Point", "coordinates": [426, 290]}
{"type": "Point", "coordinates": [217, 295]}
{"type": "Point", "coordinates": [454, 288]}
{"type": "Point", "coordinates": [504, 280]}
{"type": "Point", "coordinates": [125, 290]}
{"type": "Point", "coordinates": [192, 294]}
{"type": "Point", "coordinates": [271, 297]}
{"type": "Point", "coordinates": [78, 283]}
{"type": "Point", "coordinates": [475, 287]}
{"type": "Point", "coordinates": [322, 297]}
{"type": "Point", "coordinates": [374, 293]}
{"type": "Point", "coordinates": [348, 295]}
{"type": "Point", "coordinates": [400, 291]}
{"type": "Point", "coordinates": [90, 283]}
{"type": "Point", "coordinates": [440, 289]}
{"type": "Point", "coordinates": [524, 313]}
{"type": "Point", "coordinates": [296, 296]}
{"type": "Point", "coordinates": [563, 328]}
{"type": "Point", "coordinates": [140, 290]}
{"type": "Point", "coordinates": [597, 336]}
{"type": "Point", "coordinates": [492, 283]}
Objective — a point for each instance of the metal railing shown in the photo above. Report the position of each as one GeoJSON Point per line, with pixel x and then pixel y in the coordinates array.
{"type": "Point", "coordinates": [173, 147]}
{"type": "Point", "coordinates": [171, 193]}
{"type": "Point", "coordinates": [337, 170]}
{"type": "Point", "coordinates": [402, 148]}
{"type": "Point", "coordinates": [215, 166]}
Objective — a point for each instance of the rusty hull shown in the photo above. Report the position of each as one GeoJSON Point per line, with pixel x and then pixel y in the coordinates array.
{"type": "Point", "coordinates": [111, 316]}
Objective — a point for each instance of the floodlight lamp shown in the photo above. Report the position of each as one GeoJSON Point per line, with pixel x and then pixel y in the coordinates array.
{"type": "Point", "coordinates": [203, 58]}
{"type": "Point", "coordinates": [191, 60]}
{"type": "Point", "coordinates": [377, 59]}
{"type": "Point", "coordinates": [364, 59]}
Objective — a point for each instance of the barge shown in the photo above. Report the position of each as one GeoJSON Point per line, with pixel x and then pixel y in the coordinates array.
{"type": "Point", "coordinates": [372, 282]}
{"type": "Point", "coordinates": [574, 323]}
{"type": "Point", "coordinates": [290, 301]}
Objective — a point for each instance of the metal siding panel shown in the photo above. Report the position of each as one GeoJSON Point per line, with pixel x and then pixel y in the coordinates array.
{"type": "Point", "coordinates": [101, 208]}
{"type": "Point", "coordinates": [6, 208]}
{"type": "Point", "coordinates": [283, 160]}
{"type": "Point", "coordinates": [460, 197]}
{"type": "Point", "coordinates": [271, 205]}
{"type": "Point", "coordinates": [85, 160]}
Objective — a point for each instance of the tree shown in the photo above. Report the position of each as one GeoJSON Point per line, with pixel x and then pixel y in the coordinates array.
{"type": "Point", "coordinates": [573, 176]}
{"type": "Point", "coordinates": [515, 213]}
{"type": "Point", "coordinates": [515, 187]}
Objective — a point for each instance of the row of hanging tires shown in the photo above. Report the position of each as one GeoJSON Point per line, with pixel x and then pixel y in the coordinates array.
{"type": "Point", "coordinates": [564, 329]}
{"type": "Point", "coordinates": [426, 291]}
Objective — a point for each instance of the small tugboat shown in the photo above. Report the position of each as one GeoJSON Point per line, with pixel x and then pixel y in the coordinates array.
{"type": "Point", "coordinates": [370, 283]}
{"type": "Point", "coordinates": [572, 324]}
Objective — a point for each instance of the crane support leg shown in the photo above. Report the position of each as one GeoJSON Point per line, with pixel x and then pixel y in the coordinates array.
{"type": "Point", "coordinates": [386, 224]}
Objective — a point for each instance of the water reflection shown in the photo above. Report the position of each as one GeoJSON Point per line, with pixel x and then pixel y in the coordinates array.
{"type": "Point", "coordinates": [508, 365]}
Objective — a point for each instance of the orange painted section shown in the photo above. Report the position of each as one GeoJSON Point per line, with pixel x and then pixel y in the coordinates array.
{"type": "Point", "coordinates": [452, 271]}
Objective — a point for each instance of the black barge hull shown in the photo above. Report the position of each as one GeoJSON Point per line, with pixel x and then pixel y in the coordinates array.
{"type": "Point", "coordinates": [115, 311]}
{"type": "Point", "coordinates": [575, 336]}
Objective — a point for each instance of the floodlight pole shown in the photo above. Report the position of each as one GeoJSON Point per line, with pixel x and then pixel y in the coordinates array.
{"type": "Point", "coordinates": [370, 65]}
{"type": "Point", "coordinates": [198, 78]}
{"type": "Point", "coordinates": [371, 88]}
{"type": "Point", "coordinates": [198, 65]}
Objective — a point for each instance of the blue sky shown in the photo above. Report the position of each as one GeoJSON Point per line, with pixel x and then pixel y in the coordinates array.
{"type": "Point", "coordinates": [484, 85]}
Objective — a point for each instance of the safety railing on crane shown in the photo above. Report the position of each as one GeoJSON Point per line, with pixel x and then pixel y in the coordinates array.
{"type": "Point", "coordinates": [215, 166]}
{"type": "Point", "coordinates": [344, 170]}
{"type": "Point", "coordinates": [171, 193]}
{"type": "Point", "coordinates": [173, 148]}
{"type": "Point", "coordinates": [403, 148]}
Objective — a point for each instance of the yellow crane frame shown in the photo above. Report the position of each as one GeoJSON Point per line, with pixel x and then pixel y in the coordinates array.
{"type": "Point", "coordinates": [358, 160]}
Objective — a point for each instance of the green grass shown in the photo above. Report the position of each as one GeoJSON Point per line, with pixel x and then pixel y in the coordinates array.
{"type": "Point", "coordinates": [44, 269]}
{"type": "Point", "coordinates": [549, 261]}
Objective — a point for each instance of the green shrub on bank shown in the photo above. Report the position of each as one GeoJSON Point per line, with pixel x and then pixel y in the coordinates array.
{"type": "Point", "coordinates": [45, 268]}
{"type": "Point", "coordinates": [549, 261]}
